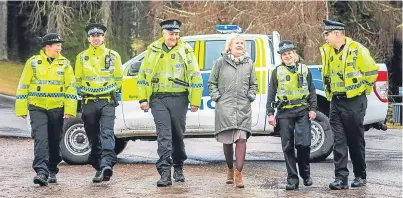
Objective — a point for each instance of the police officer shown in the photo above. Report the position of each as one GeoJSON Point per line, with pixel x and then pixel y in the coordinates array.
{"type": "Point", "coordinates": [292, 83]}
{"type": "Point", "coordinates": [47, 90]}
{"type": "Point", "coordinates": [169, 78]}
{"type": "Point", "coordinates": [99, 74]}
{"type": "Point", "coordinates": [349, 73]}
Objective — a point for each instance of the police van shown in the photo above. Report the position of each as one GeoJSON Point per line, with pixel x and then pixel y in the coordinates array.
{"type": "Point", "coordinates": [134, 124]}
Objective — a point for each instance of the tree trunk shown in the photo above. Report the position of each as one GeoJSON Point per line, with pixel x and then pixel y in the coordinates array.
{"type": "Point", "coordinates": [52, 16]}
{"type": "Point", "coordinates": [3, 30]}
{"type": "Point", "coordinates": [51, 25]}
{"type": "Point", "coordinates": [106, 12]}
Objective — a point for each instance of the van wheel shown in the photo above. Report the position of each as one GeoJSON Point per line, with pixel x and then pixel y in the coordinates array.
{"type": "Point", "coordinates": [322, 138]}
{"type": "Point", "coordinates": [74, 145]}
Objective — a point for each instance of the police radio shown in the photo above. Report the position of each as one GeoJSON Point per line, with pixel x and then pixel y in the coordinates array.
{"type": "Point", "coordinates": [300, 77]}
{"type": "Point", "coordinates": [340, 75]}
{"type": "Point", "coordinates": [107, 61]}
{"type": "Point", "coordinates": [300, 80]}
{"type": "Point", "coordinates": [327, 82]}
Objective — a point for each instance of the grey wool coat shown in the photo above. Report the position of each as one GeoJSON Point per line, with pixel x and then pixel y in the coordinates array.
{"type": "Point", "coordinates": [233, 87]}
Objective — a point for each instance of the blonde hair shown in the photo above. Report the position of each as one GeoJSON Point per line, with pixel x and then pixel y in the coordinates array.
{"type": "Point", "coordinates": [297, 57]}
{"type": "Point", "coordinates": [230, 39]}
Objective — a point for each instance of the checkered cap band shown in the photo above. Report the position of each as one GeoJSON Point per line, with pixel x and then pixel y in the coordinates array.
{"type": "Point", "coordinates": [96, 31]}
{"type": "Point", "coordinates": [333, 27]}
{"type": "Point", "coordinates": [54, 40]}
{"type": "Point", "coordinates": [170, 26]}
{"type": "Point", "coordinates": [286, 47]}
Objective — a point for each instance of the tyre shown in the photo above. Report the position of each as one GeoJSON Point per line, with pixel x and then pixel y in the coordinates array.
{"type": "Point", "coordinates": [322, 138]}
{"type": "Point", "coordinates": [74, 145]}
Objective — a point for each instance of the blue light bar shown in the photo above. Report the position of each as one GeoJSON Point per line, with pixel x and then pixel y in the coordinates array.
{"type": "Point", "coordinates": [228, 29]}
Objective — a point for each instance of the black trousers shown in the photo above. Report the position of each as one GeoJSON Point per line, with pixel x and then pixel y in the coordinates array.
{"type": "Point", "coordinates": [170, 120]}
{"type": "Point", "coordinates": [346, 120]}
{"type": "Point", "coordinates": [99, 121]}
{"type": "Point", "coordinates": [298, 129]}
{"type": "Point", "coordinates": [46, 131]}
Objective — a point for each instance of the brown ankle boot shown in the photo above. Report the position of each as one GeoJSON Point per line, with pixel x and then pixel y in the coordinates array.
{"type": "Point", "coordinates": [230, 176]}
{"type": "Point", "coordinates": [238, 179]}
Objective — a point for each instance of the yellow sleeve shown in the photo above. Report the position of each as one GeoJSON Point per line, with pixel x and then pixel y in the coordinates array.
{"type": "Point", "coordinates": [21, 102]}
{"type": "Point", "coordinates": [70, 94]}
{"type": "Point", "coordinates": [78, 69]}
{"type": "Point", "coordinates": [141, 80]}
{"type": "Point", "coordinates": [325, 71]}
{"type": "Point", "coordinates": [118, 73]}
{"type": "Point", "coordinates": [195, 78]}
{"type": "Point", "coordinates": [368, 68]}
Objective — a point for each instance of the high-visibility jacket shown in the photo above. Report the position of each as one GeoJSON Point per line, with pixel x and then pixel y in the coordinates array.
{"type": "Point", "coordinates": [98, 70]}
{"type": "Point", "coordinates": [352, 71]}
{"type": "Point", "coordinates": [46, 85]}
{"type": "Point", "coordinates": [288, 89]}
{"type": "Point", "coordinates": [180, 62]}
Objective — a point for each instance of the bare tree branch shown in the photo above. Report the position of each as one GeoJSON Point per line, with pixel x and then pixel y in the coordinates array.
{"type": "Point", "coordinates": [359, 24]}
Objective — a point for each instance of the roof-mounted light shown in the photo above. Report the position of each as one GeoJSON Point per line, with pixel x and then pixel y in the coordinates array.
{"type": "Point", "coordinates": [228, 29]}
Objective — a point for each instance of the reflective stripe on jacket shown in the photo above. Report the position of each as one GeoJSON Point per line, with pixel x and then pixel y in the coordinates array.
{"type": "Point", "coordinates": [357, 72]}
{"type": "Point", "coordinates": [151, 63]}
{"type": "Point", "coordinates": [46, 85]}
{"type": "Point", "coordinates": [288, 89]}
{"type": "Point", "coordinates": [98, 70]}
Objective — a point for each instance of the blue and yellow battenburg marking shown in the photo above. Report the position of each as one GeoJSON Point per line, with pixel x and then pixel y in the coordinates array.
{"type": "Point", "coordinates": [130, 92]}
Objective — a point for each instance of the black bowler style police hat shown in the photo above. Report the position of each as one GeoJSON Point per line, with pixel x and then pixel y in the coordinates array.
{"type": "Point", "coordinates": [333, 25]}
{"type": "Point", "coordinates": [285, 45]}
{"type": "Point", "coordinates": [95, 28]}
{"type": "Point", "coordinates": [171, 25]}
{"type": "Point", "coordinates": [51, 38]}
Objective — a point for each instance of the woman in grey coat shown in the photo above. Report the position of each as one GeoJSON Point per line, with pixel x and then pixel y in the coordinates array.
{"type": "Point", "coordinates": [233, 87]}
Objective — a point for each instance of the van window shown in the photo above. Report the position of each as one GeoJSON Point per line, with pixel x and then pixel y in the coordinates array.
{"type": "Point", "coordinates": [134, 67]}
{"type": "Point", "coordinates": [192, 44]}
{"type": "Point", "coordinates": [213, 51]}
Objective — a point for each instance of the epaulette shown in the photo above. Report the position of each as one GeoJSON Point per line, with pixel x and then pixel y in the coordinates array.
{"type": "Point", "coordinates": [278, 66]}
{"type": "Point", "coordinates": [32, 57]}
{"type": "Point", "coordinates": [79, 54]}
{"type": "Point", "coordinates": [154, 48]}
{"type": "Point", "coordinates": [187, 47]}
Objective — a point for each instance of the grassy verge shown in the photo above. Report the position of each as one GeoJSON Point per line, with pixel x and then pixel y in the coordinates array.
{"type": "Point", "coordinates": [391, 126]}
{"type": "Point", "coordinates": [10, 73]}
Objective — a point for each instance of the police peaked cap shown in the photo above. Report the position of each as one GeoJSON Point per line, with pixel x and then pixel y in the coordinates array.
{"type": "Point", "coordinates": [51, 38]}
{"type": "Point", "coordinates": [333, 25]}
{"type": "Point", "coordinates": [171, 25]}
{"type": "Point", "coordinates": [285, 45]}
{"type": "Point", "coordinates": [95, 28]}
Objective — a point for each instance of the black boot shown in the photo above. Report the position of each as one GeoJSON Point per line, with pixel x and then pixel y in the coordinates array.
{"type": "Point", "coordinates": [52, 177]}
{"type": "Point", "coordinates": [358, 182]}
{"type": "Point", "coordinates": [308, 181]}
{"type": "Point", "coordinates": [107, 173]}
{"type": "Point", "coordinates": [103, 175]}
{"type": "Point", "coordinates": [339, 184]}
{"type": "Point", "coordinates": [98, 177]}
{"type": "Point", "coordinates": [165, 179]}
{"type": "Point", "coordinates": [178, 174]}
{"type": "Point", "coordinates": [41, 180]}
{"type": "Point", "coordinates": [290, 186]}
